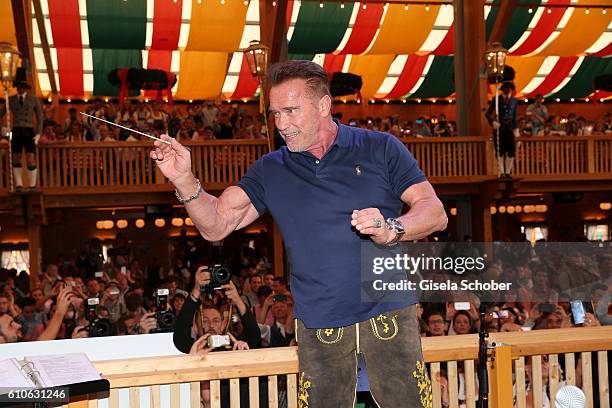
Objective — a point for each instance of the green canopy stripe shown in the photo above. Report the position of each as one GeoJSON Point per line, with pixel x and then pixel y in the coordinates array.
{"type": "Point", "coordinates": [521, 17]}
{"type": "Point", "coordinates": [104, 61]}
{"type": "Point", "coordinates": [439, 80]}
{"type": "Point", "coordinates": [117, 24]}
{"type": "Point", "coordinates": [581, 84]}
{"type": "Point", "coordinates": [320, 29]}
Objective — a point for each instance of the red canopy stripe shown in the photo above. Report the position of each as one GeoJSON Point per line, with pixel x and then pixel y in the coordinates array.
{"type": "Point", "coordinates": [447, 46]}
{"type": "Point", "coordinates": [559, 72]}
{"type": "Point", "coordinates": [247, 84]}
{"type": "Point", "coordinates": [166, 24]}
{"type": "Point", "coordinates": [66, 29]}
{"type": "Point", "coordinates": [601, 94]}
{"type": "Point", "coordinates": [333, 63]}
{"type": "Point", "coordinates": [364, 29]}
{"type": "Point", "coordinates": [543, 29]}
{"type": "Point", "coordinates": [413, 69]}
{"type": "Point", "coordinates": [288, 15]}
{"type": "Point", "coordinates": [158, 59]}
{"type": "Point", "coordinates": [606, 51]}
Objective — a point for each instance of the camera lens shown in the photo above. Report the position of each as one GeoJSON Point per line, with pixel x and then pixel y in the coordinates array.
{"type": "Point", "coordinates": [222, 275]}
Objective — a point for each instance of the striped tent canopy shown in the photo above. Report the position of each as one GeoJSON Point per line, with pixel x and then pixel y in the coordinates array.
{"type": "Point", "coordinates": [400, 50]}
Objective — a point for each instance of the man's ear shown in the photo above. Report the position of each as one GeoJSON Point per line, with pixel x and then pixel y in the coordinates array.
{"type": "Point", "coordinates": [325, 105]}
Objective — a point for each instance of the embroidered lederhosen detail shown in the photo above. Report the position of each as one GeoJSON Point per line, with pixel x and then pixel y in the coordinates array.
{"type": "Point", "coordinates": [387, 330]}
{"type": "Point", "coordinates": [424, 384]}
{"type": "Point", "coordinates": [303, 392]}
{"type": "Point", "coordinates": [330, 336]}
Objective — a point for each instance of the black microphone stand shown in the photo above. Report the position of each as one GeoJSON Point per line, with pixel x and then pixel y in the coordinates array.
{"type": "Point", "coordinates": [483, 348]}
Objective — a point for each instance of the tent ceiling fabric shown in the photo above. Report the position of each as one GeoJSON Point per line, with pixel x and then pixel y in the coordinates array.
{"type": "Point", "coordinates": [557, 51]}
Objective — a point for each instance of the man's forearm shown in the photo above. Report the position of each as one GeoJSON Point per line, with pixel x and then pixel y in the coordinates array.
{"type": "Point", "coordinates": [423, 219]}
{"type": "Point", "coordinates": [50, 332]}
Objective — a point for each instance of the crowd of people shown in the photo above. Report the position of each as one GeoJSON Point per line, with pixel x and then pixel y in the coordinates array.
{"type": "Point", "coordinates": [214, 121]}
{"type": "Point", "coordinates": [254, 308]}
{"type": "Point", "coordinates": [127, 292]}
{"type": "Point", "coordinates": [207, 121]}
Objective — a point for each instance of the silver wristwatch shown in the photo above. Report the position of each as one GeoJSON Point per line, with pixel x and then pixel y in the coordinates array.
{"type": "Point", "coordinates": [393, 224]}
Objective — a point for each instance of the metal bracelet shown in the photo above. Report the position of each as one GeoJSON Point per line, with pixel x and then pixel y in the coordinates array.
{"type": "Point", "coordinates": [191, 198]}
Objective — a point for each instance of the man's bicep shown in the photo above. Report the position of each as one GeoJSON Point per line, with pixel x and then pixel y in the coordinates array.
{"type": "Point", "coordinates": [418, 192]}
{"type": "Point", "coordinates": [236, 207]}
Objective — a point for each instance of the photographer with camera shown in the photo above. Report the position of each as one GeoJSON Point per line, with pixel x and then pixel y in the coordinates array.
{"type": "Point", "coordinates": [209, 319]}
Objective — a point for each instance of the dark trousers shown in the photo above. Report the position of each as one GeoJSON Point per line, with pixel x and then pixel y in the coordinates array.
{"type": "Point", "coordinates": [507, 144]}
{"type": "Point", "coordinates": [391, 347]}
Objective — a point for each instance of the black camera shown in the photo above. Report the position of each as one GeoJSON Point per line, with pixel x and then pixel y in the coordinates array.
{"type": "Point", "coordinates": [96, 327]}
{"type": "Point", "coordinates": [165, 318]}
{"type": "Point", "coordinates": [219, 275]}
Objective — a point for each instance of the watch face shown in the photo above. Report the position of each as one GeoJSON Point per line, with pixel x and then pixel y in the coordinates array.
{"type": "Point", "coordinates": [395, 225]}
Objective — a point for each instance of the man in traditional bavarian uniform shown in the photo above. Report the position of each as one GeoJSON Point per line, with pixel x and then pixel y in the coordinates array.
{"type": "Point", "coordinates": [505, 128]}
{"type": "Point", "coordinates": [24, 109]}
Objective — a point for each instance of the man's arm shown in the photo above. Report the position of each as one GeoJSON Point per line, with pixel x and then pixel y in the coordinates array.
{"type": "Point", "coordinates": [426, 214]}
{"type": "Point", "coordinates": [216, 218]}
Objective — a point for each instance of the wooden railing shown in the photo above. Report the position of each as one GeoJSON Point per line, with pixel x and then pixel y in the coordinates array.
{"type": "Point", "coordinates": [452, 159]}
{"type": "Point", "coordinates": [125, 166]}
{"type": "Point", "coordinates": [564, 157]}
{"type": "Point", "coordinates": [515, 352]}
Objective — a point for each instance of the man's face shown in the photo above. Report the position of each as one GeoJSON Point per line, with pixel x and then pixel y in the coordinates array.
{"type": "Point", "coordinates": [93, 287]}
{"type": "Point", "coordinates": [435, 323]}
{"type": "Point", "coordinates": [37, 294]}
{"type": "Point", "coordinates": [178, 303]}
{"type": "Point", "coordinates": [256, 283]}
{"type": "Point", "coordinates": [10, 329]}
{"type": "Point", "coordinates": [296, 114]}
{"type": "Point", "coordinates": [28, 312]}
{"type": "Point", "coordinates": [4, 305]}
{"type": "Point", "coordinates": [269, 279]}
{"type": "Point", "coordinates": [213, 323]}
{"type": "Point", "coordinates": [280, 310]}
{"type": "Point", "coordinates": [21, 89]}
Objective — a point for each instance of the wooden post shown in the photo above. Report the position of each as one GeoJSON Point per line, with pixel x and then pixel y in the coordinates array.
{"type": "Point", "coordinates": [35, 256]}
{"type": "Point", "coordinates": [500, 377]}
{"type": "Point", "coordinates": [469, 60]}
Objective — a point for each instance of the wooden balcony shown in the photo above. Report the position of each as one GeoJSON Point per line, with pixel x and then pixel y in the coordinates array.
{"type": "Point", "coordinates": [122, 167]}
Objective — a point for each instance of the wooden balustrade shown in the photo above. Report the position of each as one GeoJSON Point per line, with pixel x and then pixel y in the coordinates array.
{"type": "Point", "coordinates": [569, 157]}
{"type": "Point", "coordinates": [519, 360]}
{"type": "Point", "coordinates": [89, 167]}
{"type": "Point", "coordinates": [457, 158]}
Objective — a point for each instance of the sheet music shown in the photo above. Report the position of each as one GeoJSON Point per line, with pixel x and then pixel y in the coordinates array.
{"type": "Point", "coordinates": [12, 376]}
{"type": "Point", "coordinates": [64, 369]}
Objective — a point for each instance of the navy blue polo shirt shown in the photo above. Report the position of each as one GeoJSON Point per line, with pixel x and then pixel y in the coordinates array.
{"type": "Point", "coordinates": [312, 200]}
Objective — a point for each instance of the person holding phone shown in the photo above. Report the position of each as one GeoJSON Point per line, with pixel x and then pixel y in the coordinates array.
{"type": "Point", "coordinates": [331, 189]}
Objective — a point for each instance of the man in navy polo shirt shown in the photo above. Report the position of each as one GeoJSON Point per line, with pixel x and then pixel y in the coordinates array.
{"type": "Point", "coordinates": [329, 190]}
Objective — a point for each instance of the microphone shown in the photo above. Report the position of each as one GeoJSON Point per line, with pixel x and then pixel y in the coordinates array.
{"type": "Point", "coordinates": [570, 396]}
